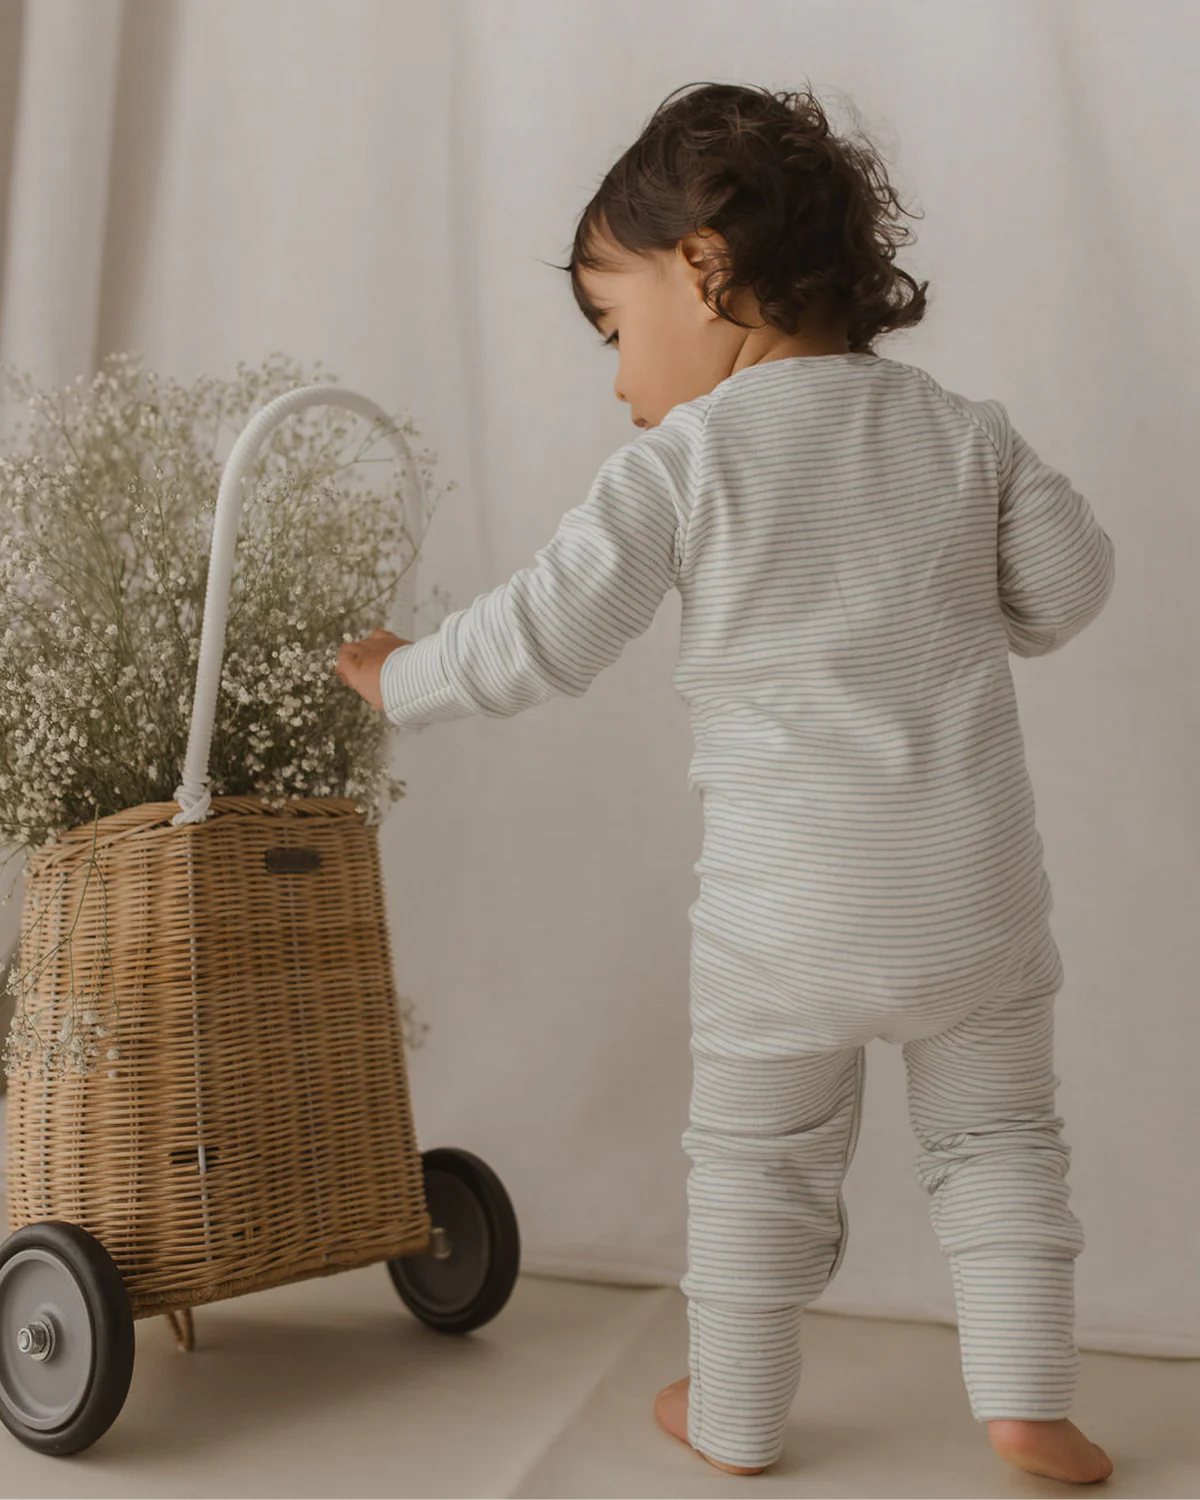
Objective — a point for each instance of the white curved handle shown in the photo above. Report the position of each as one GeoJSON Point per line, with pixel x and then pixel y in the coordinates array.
{"type": "Point", "coordinates": [193, 794]}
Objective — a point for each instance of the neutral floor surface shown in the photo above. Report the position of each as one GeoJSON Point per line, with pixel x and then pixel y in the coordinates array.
{"type": "Point", "coordinates": [330, 1388]}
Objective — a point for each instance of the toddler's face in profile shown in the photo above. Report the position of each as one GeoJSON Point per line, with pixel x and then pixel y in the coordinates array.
{"type": "Point", "coordinates": [673, 346]}
{"type": "Point", "coordinates": [670, 345]}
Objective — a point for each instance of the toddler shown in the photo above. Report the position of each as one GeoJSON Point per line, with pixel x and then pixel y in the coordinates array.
{"type": "Point", "coordinates": [857, 550]}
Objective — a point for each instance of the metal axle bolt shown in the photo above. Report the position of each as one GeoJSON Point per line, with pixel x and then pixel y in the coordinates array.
{"type": "Point", "coordinates": [36, 1340]}
{"type": "Point", "coordinates": [440, 1241]}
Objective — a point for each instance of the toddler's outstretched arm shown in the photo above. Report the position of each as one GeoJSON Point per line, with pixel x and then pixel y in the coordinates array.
{"type": "Point", "coordinates": [553, 626]}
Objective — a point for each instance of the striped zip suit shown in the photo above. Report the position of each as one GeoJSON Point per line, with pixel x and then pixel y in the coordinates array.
{"type": "Point", "coordinates": [857, 551]}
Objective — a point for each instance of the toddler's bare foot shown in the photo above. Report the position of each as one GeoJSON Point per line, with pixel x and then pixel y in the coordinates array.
{"type": "Point", "coordinates": [1056, 1449]}
{"type": "Point", "coordinates": [671, 1414]}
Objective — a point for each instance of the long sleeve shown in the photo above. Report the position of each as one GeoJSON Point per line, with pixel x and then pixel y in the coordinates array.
{"type": "Point", "coordinates": [554, 625]}
{"type": "Point", "coordinates": [1056, 563]}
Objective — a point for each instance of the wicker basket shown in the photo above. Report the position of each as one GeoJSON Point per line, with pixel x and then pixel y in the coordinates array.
{"type": "Point", "coordinates": [258, 1130]}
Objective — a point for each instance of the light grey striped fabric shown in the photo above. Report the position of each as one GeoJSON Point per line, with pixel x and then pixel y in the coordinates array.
{"type": "Point", "coordinates": [770, 1140]}
{"type": "Point", "coordinates": [857, 551]}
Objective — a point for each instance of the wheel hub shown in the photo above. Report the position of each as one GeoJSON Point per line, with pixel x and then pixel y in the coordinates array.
{"type": "Point", "coordinates": [448, 1277]}
{"type": "Point", "coordinates": [37, 1340]}
{"type": "Point", "coordinates": [47, 1344]}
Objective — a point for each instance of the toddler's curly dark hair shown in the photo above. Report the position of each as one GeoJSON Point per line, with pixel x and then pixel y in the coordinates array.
{"type": "Point", "coordinates": [807, 215]}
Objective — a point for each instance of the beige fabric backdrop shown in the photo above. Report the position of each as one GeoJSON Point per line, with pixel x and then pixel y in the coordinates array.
{"type": "Point", "coordinates": [376, 184]}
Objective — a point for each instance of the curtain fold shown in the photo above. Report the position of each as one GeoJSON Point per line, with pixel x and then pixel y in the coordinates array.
{"type": "Point", "coordinates": [63, 108]}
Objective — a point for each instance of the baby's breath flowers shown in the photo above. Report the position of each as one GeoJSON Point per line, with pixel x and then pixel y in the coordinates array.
{"type": "Point", "coordinates": [106, 514]}
{"type": "Point", "coordinates": [44, 1040]}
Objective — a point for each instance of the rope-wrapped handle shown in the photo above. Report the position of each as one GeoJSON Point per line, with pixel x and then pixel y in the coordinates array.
{"type": "Point", "coordinates": [193, 794]}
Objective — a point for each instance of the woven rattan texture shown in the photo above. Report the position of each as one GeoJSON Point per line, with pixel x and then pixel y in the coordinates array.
{"type": "Point", "coordinates": [259, 1129]}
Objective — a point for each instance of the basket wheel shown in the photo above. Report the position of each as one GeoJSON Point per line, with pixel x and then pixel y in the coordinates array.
{"type": "Point", "coordinates": [66, 1338]}
{"type": "Point", "coordinates": [468, 1276]}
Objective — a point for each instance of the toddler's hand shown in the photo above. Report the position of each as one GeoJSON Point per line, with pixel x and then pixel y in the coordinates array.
{"type": "Point", "coordinates": [359, 663]}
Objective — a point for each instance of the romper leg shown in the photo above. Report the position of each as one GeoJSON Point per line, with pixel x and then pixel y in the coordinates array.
{"type": "Point", "coordinates": [981, 1101]}
{"type": "Point", "coordinates": [770, 1141]}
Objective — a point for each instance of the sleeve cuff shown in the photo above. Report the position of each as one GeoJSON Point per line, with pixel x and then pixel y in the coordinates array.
{"type": "Point", "coordinates": [416, 688]}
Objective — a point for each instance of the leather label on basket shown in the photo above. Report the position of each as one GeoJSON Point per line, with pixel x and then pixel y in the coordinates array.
{"type": "Point", "coordinates": [293, 861]}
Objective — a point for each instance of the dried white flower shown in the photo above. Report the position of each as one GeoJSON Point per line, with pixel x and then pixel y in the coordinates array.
{"type": "Point", "coordinates": [118, 481]}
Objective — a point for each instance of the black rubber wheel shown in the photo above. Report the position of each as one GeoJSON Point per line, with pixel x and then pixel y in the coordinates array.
{"type": "Point", "coordinates": [66, 1338]}
{"type": "Point", "coordinates": [466, 1288]}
